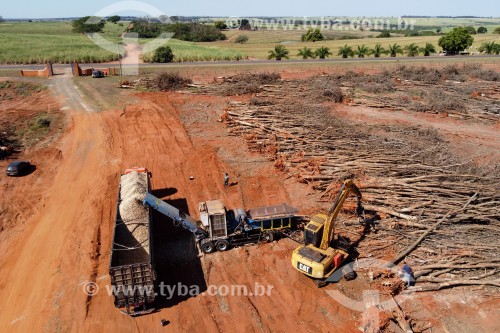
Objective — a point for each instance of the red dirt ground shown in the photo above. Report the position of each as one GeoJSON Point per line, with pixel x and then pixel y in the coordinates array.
{"type": "Point", "coordinates": [62, 237]}
{"type": "Point", "coordinates": [469, 139]}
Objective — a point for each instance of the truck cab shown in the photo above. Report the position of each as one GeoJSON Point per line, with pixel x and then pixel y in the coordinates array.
{"type": "Point", "coordinates": [213, 218]}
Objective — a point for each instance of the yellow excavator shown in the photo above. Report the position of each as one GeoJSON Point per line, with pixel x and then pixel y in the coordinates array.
{"type": "Point", "coordinates": [320, 255]}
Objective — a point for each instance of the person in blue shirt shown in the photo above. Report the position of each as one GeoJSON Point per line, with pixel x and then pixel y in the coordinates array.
{"type": "Point", "coordinates": [408, 274]}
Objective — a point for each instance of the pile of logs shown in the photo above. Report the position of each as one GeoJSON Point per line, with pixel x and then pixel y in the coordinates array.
{"type": "Point", "coordinates": [409, 177]}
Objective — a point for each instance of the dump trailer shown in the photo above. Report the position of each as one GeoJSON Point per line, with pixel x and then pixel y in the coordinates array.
{"type": "Point", "coordinates": [132, 261]}
{"type": "Point", "coordinates": [231, 228]}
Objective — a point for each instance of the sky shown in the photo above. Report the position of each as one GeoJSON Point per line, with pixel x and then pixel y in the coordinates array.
{"type": "Point", "coordinates": [246, 8]}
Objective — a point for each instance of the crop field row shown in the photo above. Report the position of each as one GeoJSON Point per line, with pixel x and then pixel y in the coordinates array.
{"type": "Point", "coordinates": [41, 42]}
{"type": "Point", "coordinates": [188, 52]}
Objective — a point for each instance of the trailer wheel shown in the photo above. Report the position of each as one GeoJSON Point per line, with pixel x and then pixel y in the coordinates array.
{"type": "Point", "coordinates": [222, 245]}
{"type": "Point", "coordinates": [269, 236]}
{"type": "Point", "coordinates": [208, 247]}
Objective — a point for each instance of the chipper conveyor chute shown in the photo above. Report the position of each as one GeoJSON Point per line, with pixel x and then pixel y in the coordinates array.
{"type": "Point", "coordinates": [180, 219]}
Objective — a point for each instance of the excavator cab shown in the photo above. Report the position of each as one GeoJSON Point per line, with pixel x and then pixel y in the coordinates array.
{"type": "Point", "coordinates": [313, 232]}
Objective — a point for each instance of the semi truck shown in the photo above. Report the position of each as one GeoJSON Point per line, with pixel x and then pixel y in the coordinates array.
{"type": "Point", "coordinates": [220, 229]}
{"type": "Point", "coordinates": [132, 259]}
{"type": "Point", "coordinates": [231, 228]}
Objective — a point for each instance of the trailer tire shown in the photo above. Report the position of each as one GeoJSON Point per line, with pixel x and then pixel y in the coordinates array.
{"type": "Point", "coordinates": [222, 245]}
{"type": "Point", "coordinates": [208, 247]}
{"type": "Point", "coordinates": [269, 236]}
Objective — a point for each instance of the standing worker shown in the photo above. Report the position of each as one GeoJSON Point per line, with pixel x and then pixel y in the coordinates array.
{"type": "Point", "coordinates": [407, 274]}
{"type": "Point", "coordinates": [226, 179]}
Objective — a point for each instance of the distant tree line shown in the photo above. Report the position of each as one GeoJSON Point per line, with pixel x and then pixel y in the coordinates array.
{"type": "Point", "coordinates": [114, 19]}
{"type": "Point", "coordinates": [192, 32]}
{"type": "Point", "coordinates": [88, 24]}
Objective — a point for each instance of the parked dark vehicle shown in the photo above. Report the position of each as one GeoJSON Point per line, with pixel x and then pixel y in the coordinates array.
{"type": "Point", "coordinates": [97, 74]}
{"type": "Point", "coordinates": [19, 168]}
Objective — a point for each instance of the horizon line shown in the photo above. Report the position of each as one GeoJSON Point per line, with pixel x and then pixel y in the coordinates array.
{"type": "Point", "coordinates": [265, 16]}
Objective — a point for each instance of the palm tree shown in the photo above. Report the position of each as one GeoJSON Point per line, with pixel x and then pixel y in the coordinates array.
{"type": "Point", "coordinates": [412, 50]}
{"type": "Point", "coordinates": [323, 52]}
{"type": "Point", "coordinates": [346, 51]}
{"type": "Point", "coordinates": [428, 49]}
{"type": "Point", "coordinates": [306, 53]}
{"type": "Point", "coordinates": [395, 49]}
{"type": "Point", "coordinates": [278, 53]}
{"type": "Point", "coordinates": [362, 51]}
{"type": "Point", "coordinates": [378, 50]}
{"type": "Point", "coordinates": [488, 48]}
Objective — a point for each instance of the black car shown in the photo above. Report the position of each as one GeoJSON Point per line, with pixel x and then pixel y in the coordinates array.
{"type": "Point", "coordinates": [97, 74]}
{"type": "Point", "coordinates": [19, 168]}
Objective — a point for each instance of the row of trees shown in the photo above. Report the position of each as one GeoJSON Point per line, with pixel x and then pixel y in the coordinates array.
{"type": "Point", "coordinates": [457, 40]}
{"type": "Point", "coordinates": [393, 50]}
{"type": "Point", "coordinates": [412, 50]}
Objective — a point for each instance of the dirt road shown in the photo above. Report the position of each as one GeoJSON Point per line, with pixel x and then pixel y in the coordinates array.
{"type": "Point", "coordinates": [69, 95]}
{"type": "Point", "coordinates": [38, 277]}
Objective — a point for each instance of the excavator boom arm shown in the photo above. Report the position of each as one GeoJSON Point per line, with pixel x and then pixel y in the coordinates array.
{"type": "Point", "coordinates": [329, 227]}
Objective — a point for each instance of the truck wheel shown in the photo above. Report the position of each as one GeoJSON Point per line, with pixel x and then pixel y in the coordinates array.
{"type": "Point", "coordinates": [269, 236]}
{"type": "Point", "coordinates": [208, 247]}
{"type": "Point", "coordinates": [222, 245]}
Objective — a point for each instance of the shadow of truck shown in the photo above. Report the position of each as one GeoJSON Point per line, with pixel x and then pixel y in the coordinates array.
{"type": "Point", "coordinates": [177, 261]}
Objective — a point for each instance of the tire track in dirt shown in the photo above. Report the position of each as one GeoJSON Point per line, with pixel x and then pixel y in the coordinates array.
{"type": "Point", "coordinates": [73, 99]}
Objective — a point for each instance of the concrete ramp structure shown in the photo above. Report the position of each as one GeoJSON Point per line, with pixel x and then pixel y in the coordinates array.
{"type": "Point", "coordinates": [47, 71]}
{"type": "Point", "coordinates": [78, 71]}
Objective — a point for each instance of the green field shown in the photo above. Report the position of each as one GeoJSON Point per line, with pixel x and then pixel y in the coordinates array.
{"type": "Point", "coordinates": [187, 52]}
{"type": "Point", "coordinates": [41, 42]}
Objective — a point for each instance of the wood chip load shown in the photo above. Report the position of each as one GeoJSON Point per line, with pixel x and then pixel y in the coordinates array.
{"type": "Point", "coordinates": [134, 231]}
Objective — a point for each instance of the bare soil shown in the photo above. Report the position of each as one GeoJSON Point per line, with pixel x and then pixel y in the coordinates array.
{"type": "Point", "coordinates": [58, 223]}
